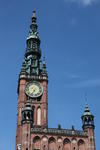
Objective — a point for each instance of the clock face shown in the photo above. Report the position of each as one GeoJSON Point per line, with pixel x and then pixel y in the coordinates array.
{"type": "Point", "coordinates": [34, 89]}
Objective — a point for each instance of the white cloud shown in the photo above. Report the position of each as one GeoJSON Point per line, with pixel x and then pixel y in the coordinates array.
{"type": "Point", "coordinates": [72, 76]}
{"type": "Point", "coordinates": [89, 83]}
{"type": "Point", "coordinates": [83, 2]}
{"type": "Point", "coordinates": [85, 83]}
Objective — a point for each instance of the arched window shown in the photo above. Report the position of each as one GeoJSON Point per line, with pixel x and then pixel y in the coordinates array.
{"type": "Point", "coordinates": [28, 115]}
{"type": "Point", "coordinates": [36, 143]}
{"type": "Point", "coordinates": [67, 144]}
{"type": "Point", "coordinates": [39, 116]}
{"type": "Point", "coordinates": [81, 144]}
{"type": "Point", "coordinates": [52, 143]}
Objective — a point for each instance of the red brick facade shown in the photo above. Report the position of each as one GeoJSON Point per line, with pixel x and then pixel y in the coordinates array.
{"type": "Point", "coordinates": [35, 135]}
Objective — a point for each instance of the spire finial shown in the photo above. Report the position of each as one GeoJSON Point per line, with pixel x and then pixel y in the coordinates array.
{"type": "Point", "coordinates": [34, 13]}
{"type": "Point", "coordinates": [87, 110]}
{"type": "Point", "coordinates": [86, 100]}
{"type": "Point", "coordinates": [34, 18]}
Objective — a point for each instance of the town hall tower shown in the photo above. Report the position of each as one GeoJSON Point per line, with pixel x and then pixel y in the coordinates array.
{"type": "Point", "coordinates": [32, 115]}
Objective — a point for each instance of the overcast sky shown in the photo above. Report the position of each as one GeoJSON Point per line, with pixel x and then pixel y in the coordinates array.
{"type": "Point", "coordinates": [70, 37]}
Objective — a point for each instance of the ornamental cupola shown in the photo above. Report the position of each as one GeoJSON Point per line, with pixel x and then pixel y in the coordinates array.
{"type": "Point", "coordinates": [27, 113]}
{"type": "Point", "coordinates": [32, 62]}
{"type": "Point", "coordinates": [87, 118]}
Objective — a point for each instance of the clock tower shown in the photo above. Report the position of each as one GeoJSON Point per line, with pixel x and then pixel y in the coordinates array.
{"type": "Point", "coordinates": [33, 132]}
{"type": "Point", "coordinates": [32, 89]}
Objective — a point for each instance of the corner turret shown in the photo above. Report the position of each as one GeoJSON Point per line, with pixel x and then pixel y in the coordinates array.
{"type": "Point", "coordinates": [88, 127]}
{"type": "Point", "coordinates": [87, 118]}
{"type": "Point", "coordinates": [27, 113]}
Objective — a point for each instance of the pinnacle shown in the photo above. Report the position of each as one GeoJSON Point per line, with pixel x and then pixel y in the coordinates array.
{"type": "Point", "coordinates": [87, 110]}
{"type": "Point", "coordinates": [86, 105]}
{"type": "Point", "coordinates": [34, 14]}
{"type": "Point", "coordinates": [34, 19]}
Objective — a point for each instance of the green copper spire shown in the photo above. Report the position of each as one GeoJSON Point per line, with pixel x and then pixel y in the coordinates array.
{"type": "Point", "coordinates": [32, 61]}
{"type": "Point", "coordinates": [33, 28]}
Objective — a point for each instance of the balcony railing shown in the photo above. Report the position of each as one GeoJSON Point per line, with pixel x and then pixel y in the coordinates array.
{"type": "Point", "coordinates": [55, 131]}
